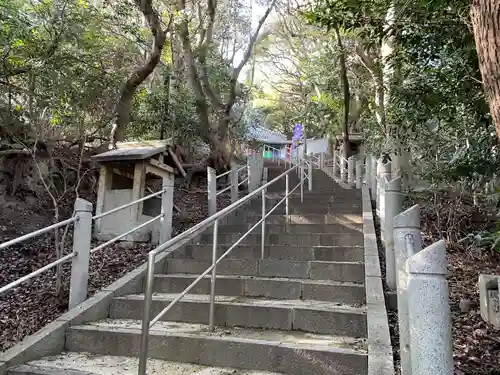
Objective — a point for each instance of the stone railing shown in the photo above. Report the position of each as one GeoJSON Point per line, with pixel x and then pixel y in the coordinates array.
{"type": "Point", "coordinates": [417, 276]}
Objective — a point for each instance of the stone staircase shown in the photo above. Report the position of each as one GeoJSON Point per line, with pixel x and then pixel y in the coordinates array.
{"type": "Point", "coordinates": [300, 310]}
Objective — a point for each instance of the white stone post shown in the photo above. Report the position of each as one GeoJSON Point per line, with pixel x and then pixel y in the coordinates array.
{"type": "Point", "coordinates": [406, 223]}
{"type": "Point", "coordinates": [82, 235]}
{"type": "Point", "coordinates": [322, 160]}
{"type": "Point", "coordinates": [429, 312]}
{"type": "Point", "coordinates": [265, 173]}
{"type": "Point", "coordinates": [167, 205]}
{"type": "Point", "coordinates": [335, 161]}
{"type": "Point", "coordinates": [234, 184]}
{"type": "Point", "coordinates": [250, 173]}
{"type": "Point", "coordinates": [359, 174]}
{"type": "Point", "coordinates": [373, 182]}
{"type": "Point", "coordinates": [384, 178]}
{"type": "Point", "coordinates": [393, 207]}
{"type": "Point", "coordinates": [350, 171]}
{"type": "Point", "coordinates": [343, 171]}
{"type": "Point", "coordinates": [309, 174]}
{"type": "Point", "coordinates": [212, 191]}
{"type": "Point", "coordinates": [368, 170]}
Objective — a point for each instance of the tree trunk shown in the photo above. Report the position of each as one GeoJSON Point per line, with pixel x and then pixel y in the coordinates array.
{"type": "Point", "coordinates": [485, 15]}
{"type": "Point", "coordinates": [123, 107]}
{"type": "Point", "coordinates": [347, 94]}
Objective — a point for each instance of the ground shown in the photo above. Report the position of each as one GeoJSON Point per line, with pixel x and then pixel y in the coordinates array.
{"type": "Point", "coordinates": [29, 307]}
{"type": "Point", "coordinates": [476, 344]}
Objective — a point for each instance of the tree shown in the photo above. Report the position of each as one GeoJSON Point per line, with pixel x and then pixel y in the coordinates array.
{"type": "Point", "coordinates": [124, 105]}
{"type": "Point", "coordinates": [485, 15]}
{"type": "Point", "coordinates": [214, 128]}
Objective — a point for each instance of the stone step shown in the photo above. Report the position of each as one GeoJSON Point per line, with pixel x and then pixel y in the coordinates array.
{"type": "Point", "coordinates": [296, 228]}
{"type": "Point", "coordinates": [277, 288]}
{"type": "Point", "coordinates": [235, 311]}
{"type": "Point", "coordinates": [281, 252]}
{"type": "Point", "coordinates": [301, 239]}
{"type": "Point", "coordinates": [345, 219]}
{"type": "Point", "coordinates": [74, 363]}
{"type": "Point", "coordinates": [305, 209]}
{"type": "Point", "coordinates": [315, 270]}
{"type": "Point", "coordinates": [319, 204]}
{"type": "Point", "coordinates": [286, 352]}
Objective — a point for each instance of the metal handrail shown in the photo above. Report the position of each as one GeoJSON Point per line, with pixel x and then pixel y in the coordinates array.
{"type": "Point", "coordinates": [189, 234]}
{"type": "Point", "coordinates": [33, 274]}
{"type": "Point", "coordinates": [119, 208]}
{"type": "Point", "coordinates": [120, 236]}
{"type": "Point", "coordinates": [243, 181]}
{"type": "Point", "coordinates": [223, 190]}
{"type": "Point", "coordinates": [223, 174]}
{"type": "Point", "coordinates": [38, 232]}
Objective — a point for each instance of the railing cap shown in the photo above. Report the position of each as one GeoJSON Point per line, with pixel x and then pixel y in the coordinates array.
{"type": "Point", "coordinates": [408, 219]}
{"type": "Point", "coordinates": [429, 261]}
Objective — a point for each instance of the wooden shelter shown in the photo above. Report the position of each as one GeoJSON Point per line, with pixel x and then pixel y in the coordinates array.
{"type": "Point", "coordinates": [131, 171]}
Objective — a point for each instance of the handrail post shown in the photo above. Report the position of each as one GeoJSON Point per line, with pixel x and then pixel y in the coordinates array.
{"type": "Point", "coordinates": [234, 184]}
{"type": "Point", "coordinates": [359, 174]}
{"type": "Point", "coordinates": [321, 160]}
{"type": "Point", "coordinates": [167, 204]}
{"type": "Point", "coordinates": [407, 223]}
{"type": "Point", "coordinates": [393, 206]}
{"type": "Point", "coordinates": [212, 191]}
{"type": "Point", "coordinates": [335, 161]}
{"type": "Point", "coordinates": [429, 312]}
{"type": "Point", "coordinates": [373, 182]}
{"type": "Point", "coordinates": [211, 318]}
{"type": "Point", "coordinates": [350, 171]}
{"type": "Point", "coordinates": [250, 173]}
{"type": "Point", "coordinates": [384, 178]}
{"type": "Point", "coordinates": [287, 189]}
{"type": "Point", "coordinates": [265, 173]}
{"type": "Point", "coordinates": [263, 234]}
{"type": "Point", "coordinates": [302, 172]}
{"type": "Point", "coordinates": [343, 170]}
{"type": "Point", "coordinates": [146, 316]}
{"type": "Point", "coordinates": [81, 247]}
{"type": "Point", "coordinates": [309, 174]}
{"type": "Point", "coordinates": [368, 171]}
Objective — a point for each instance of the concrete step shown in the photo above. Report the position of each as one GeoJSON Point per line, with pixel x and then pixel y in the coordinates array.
{"type": "Point", "coordinates": [315, 270]}
{"type": "Point", "coordinates": [282, 252]}
{"type": "Point", "coordinates": [346, 219]}
{"type": "Point", "coordinates": [74, 363]}
{"type": "Point", "coordinates": [301, 239]}
{"type": "Point", "coordinates": [296, 228]}
{"type": "Point", "coordinates": [277, 288]}
{"type": "Point", "coordinates": [311, 210]}
{"type": "Point", "coordinates": [286, 352]}
{"type": "Point", "coordinates": [231, 311]}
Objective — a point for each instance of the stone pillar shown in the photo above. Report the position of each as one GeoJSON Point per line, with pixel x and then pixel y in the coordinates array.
{"type": "Point", "coordinates": [309, 174]}
{"type": "Point", "coordinates": [393, 207]}
{"type": "Point", "coordinates": [350, 171]}
{"type": "Point", "coordinates": [212, 191]}
{"type": "Point", "coordinates": [335, 161]}
{"type": "Point", "coordinates": [265, 173]}
{"type": "Point", "coordinates": [82, 235]}
{"type": "Point", "coordinates": [234, 184]}
{"type": "Point", "coordinates": [429, 312]}
{"type": "Point", "coordinates": [384, 178]}
{"type": "Point", "coordinates": [321, 160]}
{"type": "Point", "coordinates": [167, 205]}
{"type": "Point", "coordinates": [368, 171]}
{"type": "Point", "coordinates": [373, 182]}
{"type": "Point", "coordinates": [407, 223]}
{"type": "Point", "coordinates": [343, 170]}
{"type": "Point", "coordinates": [359, 174]}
